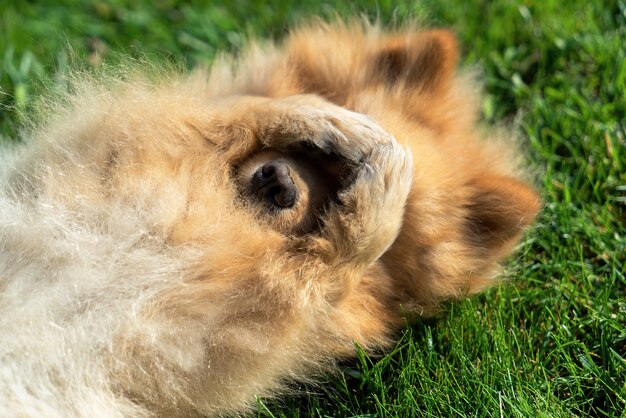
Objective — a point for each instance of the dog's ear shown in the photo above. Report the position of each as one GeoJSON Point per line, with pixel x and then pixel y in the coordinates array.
{"type": "Point", "coordinates": [423, 60]}
{"type": "Point", "coordinates": [499, 209]}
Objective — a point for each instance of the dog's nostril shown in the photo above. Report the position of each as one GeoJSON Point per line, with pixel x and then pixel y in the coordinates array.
{"type": "Point", "coordinates": [268, 170]}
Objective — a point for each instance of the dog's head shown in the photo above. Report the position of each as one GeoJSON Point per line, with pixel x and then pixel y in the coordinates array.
{"type": "Point", "coordinates": [468, 206]}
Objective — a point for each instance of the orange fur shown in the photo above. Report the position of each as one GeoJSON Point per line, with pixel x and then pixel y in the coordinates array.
{"type": "Point", "coordinates": [467, 207]}
{"type": "Point", "coordinates": [212, 300]}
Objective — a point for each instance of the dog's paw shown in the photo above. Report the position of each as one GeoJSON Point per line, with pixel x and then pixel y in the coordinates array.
{"type": "Point", "coordinates": [374, 170]}
{"type": "Point", "coordinates": [369, 215]}
{"type": "Point", "coordinates": [329, 129]}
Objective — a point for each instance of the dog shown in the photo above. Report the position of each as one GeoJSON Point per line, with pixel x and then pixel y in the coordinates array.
{"type": "Point", "coordinates": [178, 246]}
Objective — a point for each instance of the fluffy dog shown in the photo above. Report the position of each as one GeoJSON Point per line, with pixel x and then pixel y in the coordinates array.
{"type": "Point", "coordinates": [177, 247]}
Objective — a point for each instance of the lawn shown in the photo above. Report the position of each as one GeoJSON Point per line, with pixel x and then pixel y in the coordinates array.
{"type": "Point", "coordinates": [551, 340]}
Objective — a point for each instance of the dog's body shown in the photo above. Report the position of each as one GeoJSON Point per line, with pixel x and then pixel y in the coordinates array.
{"type": "Point", "coordinates": [142, 273]}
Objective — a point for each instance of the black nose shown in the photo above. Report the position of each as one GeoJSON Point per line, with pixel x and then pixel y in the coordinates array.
{"type": "Point", "coordinates": [273, 183]}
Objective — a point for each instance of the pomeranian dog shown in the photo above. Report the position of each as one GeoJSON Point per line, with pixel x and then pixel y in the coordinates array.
{"type": "Point", "coordinates": [178, 247]}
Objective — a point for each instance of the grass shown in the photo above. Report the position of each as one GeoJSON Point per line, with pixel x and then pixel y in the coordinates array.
{"type": "Point", "coordinates": [551, 342]}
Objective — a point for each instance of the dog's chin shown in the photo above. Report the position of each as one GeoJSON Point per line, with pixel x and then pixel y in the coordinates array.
{"type": "Point", "coordinates": [288, 191]}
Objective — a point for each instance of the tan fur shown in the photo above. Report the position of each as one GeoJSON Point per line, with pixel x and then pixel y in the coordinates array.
{"type": "Point", "coordinates": [137, 280]}
{"type": "Point", "coordinates": [467, 207]}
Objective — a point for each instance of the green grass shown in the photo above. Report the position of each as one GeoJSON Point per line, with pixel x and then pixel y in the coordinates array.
{"type": "Point", "coordinates": [551, 342]}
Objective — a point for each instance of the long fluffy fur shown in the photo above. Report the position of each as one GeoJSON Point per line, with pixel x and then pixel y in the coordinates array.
{"type": "Point", "coordinates": [133, 280]}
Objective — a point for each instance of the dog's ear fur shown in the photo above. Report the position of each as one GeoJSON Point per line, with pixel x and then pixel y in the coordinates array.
{"type": "Point", "coordinates": [423, 60]}
{"type": "Point", "coordinates": [460, 261]}
{"type": "Point", "coordinates": [499, 209]}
